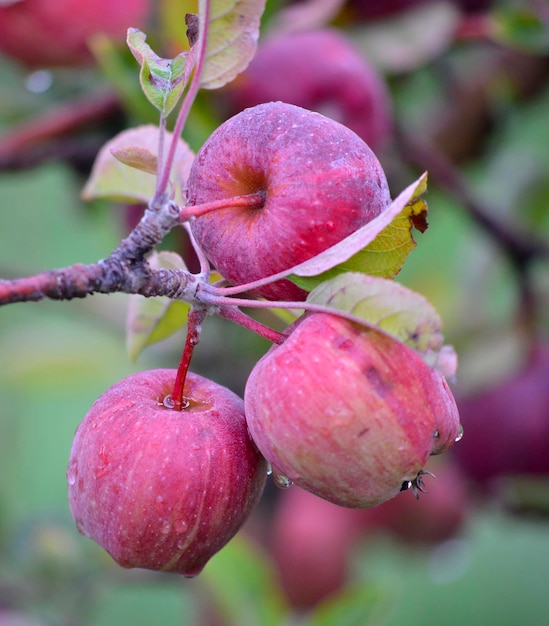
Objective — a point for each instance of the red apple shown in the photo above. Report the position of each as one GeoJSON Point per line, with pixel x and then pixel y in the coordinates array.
{"type": "Point", "coordinates": [350, 414]}
{"type": "Point", "coordinates": [507, 424]}
{"type": "Point", "coordinates": [158, 488]}
{"type": "Point", "coordinates": [43, 33]}
{"type": "Point", "coordinates": [311, 543]}
{"type": "Point", "coordinates": [320, 183]}
{"type": "Point", "coordinates": [320, 70]}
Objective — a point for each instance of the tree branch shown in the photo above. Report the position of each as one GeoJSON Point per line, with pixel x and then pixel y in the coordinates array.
{"type": "Point", "coordinates": [125, 270]}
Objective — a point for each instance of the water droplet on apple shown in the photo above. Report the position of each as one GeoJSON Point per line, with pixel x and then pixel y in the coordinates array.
{"type": "Point", "coordinates": [72, 473]}
{"type": "Point", "coordinates": [166, 527]}
{"type": "Point", "coordinates": [436, 434]}
{"type": "Point", "coordinates": [180, 526]}
{"type": "Point", "coordinates": [168, 402]}
{"type": "Point", "coordinates": [460, 434]}
{"type": "Point", "coordinates": [280, 480]}
{"type": "Point", "coordinates": [330, 226]}
{"type": "Point", "coordinates": [269, 469]}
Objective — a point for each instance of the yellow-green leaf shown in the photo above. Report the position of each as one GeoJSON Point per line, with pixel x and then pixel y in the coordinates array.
{"type": "Point", "coordinates": [138, 157]}
{"type": "Point", "coordinates": [395, 309]}
{"type": "Point", "coordinates": [162, 80]}
{"type": "Point", "coordinates": [379, 248]}
{"type": "Point", "coordinates": [117, 180]}
{"type": "Point", "coordinates": [232, 40]}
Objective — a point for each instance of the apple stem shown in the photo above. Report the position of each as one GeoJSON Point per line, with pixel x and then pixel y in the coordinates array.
{"type": "Point", "coordinates": [238, 317]}
{"type": "Point", "coordinates": [205, 268]}
{"type": "Point", "coordinates": [196, 62]}
{"type": "Point", "coordinates": [194, 328]}
{"type": "Point", "coordinates": [247, 201]}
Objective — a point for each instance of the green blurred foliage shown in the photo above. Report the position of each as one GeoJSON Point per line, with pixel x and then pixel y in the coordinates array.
{"type": "Point", "coordinates": [56, 358]}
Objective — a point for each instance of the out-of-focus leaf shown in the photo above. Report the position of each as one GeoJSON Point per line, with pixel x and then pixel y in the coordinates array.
{"type": "Point", "coordinates": [355, 606]}
{"type": "Point", "coordinates": [110, 178]}
{"type": "Point", "coordinates": [147, 604]}
{"type": "Point", "coordinates": [243, 587]}
{"type": "Point", "coordinates": [521, 28]}
{"type": "Point", "coordinates": [162, 80]}
{"type": "Point", "coordinates": [172, 26]}
{"type": "Point", "coordinates": [397, 310]}
{"type": "Point", "coordinates": [232, 39]}
{"type": "Point", "coordinates": [379, 248]}
{"type": "Point", "coordinates": [306, 14]}
{"type": "Point", "coordinates": [138, 157]}
{"type": "Point", "coordinates": [409, 39]}
{"type": "Point", "coordinates": [151, 320]}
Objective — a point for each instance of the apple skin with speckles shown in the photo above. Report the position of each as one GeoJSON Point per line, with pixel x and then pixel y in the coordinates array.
{"type": "Point", "coordinates": [349, 414]}
{"type": "Point", "coordinates": [162, 489]}
{"type": "Point", "coordinates": [320, 182]}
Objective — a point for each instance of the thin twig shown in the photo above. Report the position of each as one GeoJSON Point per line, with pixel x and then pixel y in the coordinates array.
{"type": "Point", "coordinates": [125, 270]}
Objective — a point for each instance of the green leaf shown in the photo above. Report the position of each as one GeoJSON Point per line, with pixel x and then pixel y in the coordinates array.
{"type": "Point", "coordinates": [354, 606]}
{"type": "Point", "coordinates": [162, 80]}
{"type": "Point", "coordinates": [388, 305]}
{"type": "Point", "coordinates": [132, 180]}
{"type": "Point", "coordinates": [232, 40]}
{"type": "Point", "coordinates": [520, 28]}
{"type": "Point", "coordinates": [151, 320]}
{"type": "Point", "coordinates": [379, 248]}
{"type": "Point", "coordinates": [242, 585]}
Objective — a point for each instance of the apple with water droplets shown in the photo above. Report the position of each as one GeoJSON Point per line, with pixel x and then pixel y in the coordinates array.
{"type": "Point", "coordinates": [348, 413]}
{"type": "Point", "coordinates": [159, 488]}
{"type": "Point", "coordinates": [317, 182]}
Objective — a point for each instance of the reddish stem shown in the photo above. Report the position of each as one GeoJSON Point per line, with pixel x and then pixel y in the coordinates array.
{"type": "Point", "coordinates": [59, 121]}
{"type": "Point", "coordinates": [238, 317]}
{"type": "Point", "coordinates": [200, 48]}
{"type": "Point", "coordinates": [194, 327]}
{"type": "Point", "coordinates": [248, 201]}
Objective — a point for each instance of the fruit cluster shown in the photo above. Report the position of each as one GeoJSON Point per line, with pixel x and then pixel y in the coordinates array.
{"type": "Point", "coordinates": [344, 410]}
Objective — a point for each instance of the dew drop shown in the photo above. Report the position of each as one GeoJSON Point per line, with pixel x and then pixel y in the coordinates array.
{"type": "Point", "coordinates": [39, 81]}
{"type": "Point", "coordinates": [280, 480]}
{"type": "Point", "coordinates": [330, 226]}
{"type": "Point", "coordinates": [460, 434]}
{"type": "Point", "coordinates": [180, 526]}
{"type": "Point", "coordinates": [72, 473]}
{"type": "Point", "coordinates": [168, 402]}
{"type": "Point", "coordinates": [165, 528]}
{"type": "Point", "coordinates": [269, 469]}
{"type": "Point", "coordinates": [436, 434]}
